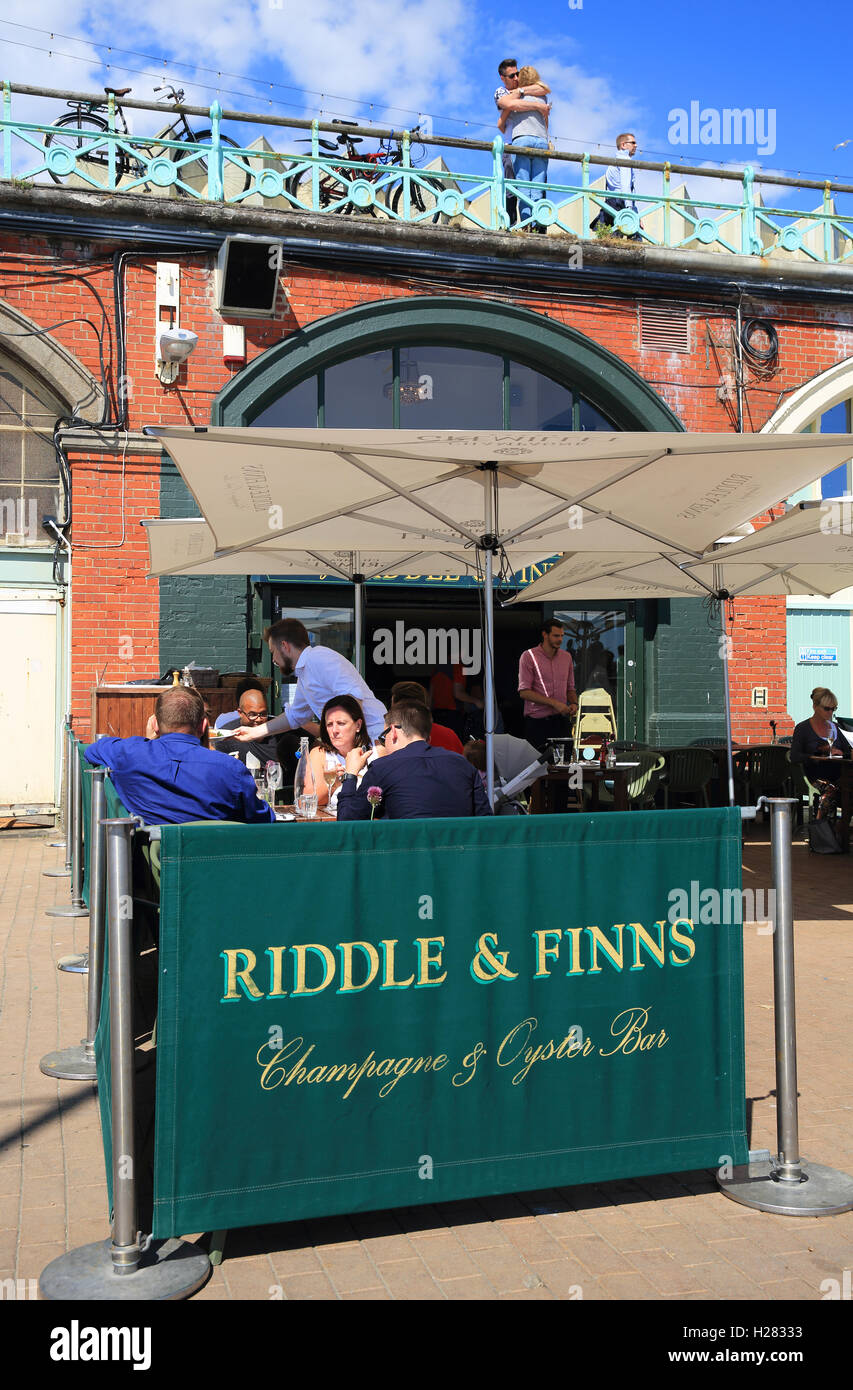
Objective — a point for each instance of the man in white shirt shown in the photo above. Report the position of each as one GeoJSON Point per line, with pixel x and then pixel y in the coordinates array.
{"type": "Point", "coordinates": [618, 179]}
{"type": "Point", "coordinates": [321, 673]}
{"type": "Point", "coordinates": [508, 98]}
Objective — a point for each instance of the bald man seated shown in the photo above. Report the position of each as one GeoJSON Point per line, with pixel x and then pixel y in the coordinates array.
{"type": "Point", "coordinates": [171, 778]}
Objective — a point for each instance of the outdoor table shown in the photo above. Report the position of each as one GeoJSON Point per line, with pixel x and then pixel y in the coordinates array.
{"type": "Point", "coordinates": [306, 820]}
{"type": "Point", "coordinates": [845, 800]}
{"type": "Point", "coordinates": [541, 793]}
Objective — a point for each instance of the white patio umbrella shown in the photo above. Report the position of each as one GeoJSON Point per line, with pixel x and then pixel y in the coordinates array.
{"type": "Point", "coordinates": [186, 546]}
{"type": "Point", "coordinates": [482, 491]}
{"type": "Point", "coordinates": [799, 554]}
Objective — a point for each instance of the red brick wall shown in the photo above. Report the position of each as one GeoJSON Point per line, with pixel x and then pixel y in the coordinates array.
{"type": "Point", "coordinates": [114, 600]}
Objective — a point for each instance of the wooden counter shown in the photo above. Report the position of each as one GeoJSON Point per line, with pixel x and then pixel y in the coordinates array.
{"type": "Point", "coordinates": [123, 710]}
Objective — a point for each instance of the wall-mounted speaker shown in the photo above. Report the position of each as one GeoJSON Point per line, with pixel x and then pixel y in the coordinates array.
{"type": "Point", "coordinates": [247, 273]}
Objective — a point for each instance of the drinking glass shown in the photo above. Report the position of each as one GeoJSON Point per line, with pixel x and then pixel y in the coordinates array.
{"type": "Point", "coordinates": [331, 773]}
{"type": "Point", "coordinates": [275, 779]}
{"type": "Point", "coordinates": [260, 777]}
{"type": "Point", "coordinates": [307, 805]}
{"type": "Point", "coordinates": [558, 750]}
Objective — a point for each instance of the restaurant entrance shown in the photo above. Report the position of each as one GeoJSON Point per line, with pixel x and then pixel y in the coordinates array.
{"type": "Point", "coordinates": [413, 632]}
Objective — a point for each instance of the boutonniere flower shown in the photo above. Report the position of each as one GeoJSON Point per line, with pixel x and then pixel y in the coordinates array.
{"type": "Point", "coordinates": [374, 796]}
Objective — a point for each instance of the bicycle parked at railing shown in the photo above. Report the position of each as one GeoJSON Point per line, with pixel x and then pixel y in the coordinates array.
{"type": "Point", "coordinates": [334, 184]}
{"type": "Point", "coordinates": [81, 129]}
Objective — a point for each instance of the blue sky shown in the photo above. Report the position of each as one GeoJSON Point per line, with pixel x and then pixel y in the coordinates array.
{"type": "Point", "coordinates": [611, 66]}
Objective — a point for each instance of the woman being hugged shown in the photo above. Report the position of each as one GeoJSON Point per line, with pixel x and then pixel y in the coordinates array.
{"type": "Point", "coordinates": [819, 738]}
{"type": "Point", "coordinates": [526, 124]}
{"type": "Point", "coordinates": [342, 729]}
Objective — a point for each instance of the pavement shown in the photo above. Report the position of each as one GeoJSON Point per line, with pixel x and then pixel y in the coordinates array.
{"type": "Point", "coordinates": [667, 1238]}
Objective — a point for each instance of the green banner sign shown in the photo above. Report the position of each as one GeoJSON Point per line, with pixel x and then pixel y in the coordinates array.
{"type": "Point", "coordinates": [361, 1016]}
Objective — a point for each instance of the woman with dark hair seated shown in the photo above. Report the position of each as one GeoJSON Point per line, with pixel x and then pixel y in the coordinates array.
{"type": "Point", "coordinates": [821, 738]}
{"type": "Point", "coordinates": [342, 728]}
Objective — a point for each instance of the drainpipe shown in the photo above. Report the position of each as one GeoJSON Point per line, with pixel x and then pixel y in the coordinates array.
{"type": "Point", "coordinates": [51, 526]}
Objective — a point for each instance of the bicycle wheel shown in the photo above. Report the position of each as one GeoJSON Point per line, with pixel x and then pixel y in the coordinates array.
{"type": "Point", "coordinates": [422, 199]}
{"type": "Point", "coordinates": [235, 178]}
{"type": "Point", "coordinates": [74, 132]}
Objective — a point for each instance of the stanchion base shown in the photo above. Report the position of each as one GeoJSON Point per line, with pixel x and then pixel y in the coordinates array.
{"type": "Point", "coordinates": [66, 911]}
{"type": "Point", "coordinates": [56, 873]}
{"type": "Point", "coordinates": [169, 1269]}
{"type": "Point", "coordinates": [69, 1064]}
{"type": "Point", "coordinates": [826, 1192]}
{"type": "Point", "coordinates": [75, 965]}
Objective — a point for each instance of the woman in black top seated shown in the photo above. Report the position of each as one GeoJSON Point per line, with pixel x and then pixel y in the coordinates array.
{"type": "Point", "coordinates": [820, 737]}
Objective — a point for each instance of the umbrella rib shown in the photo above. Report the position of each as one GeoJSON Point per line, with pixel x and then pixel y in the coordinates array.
{"type": "Point", "coordinates": [330, 564]}
{"type": "Point", "coordinates": [408, 497]}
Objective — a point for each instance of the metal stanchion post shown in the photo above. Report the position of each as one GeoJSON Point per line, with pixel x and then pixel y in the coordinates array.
{"type": "Point", "coordinates": [123, 1268]}
{"type": "Point", "coordinates": [787, 1185]}
{"type": "Point", "coordinates": [67, 842]}
{"type": "Point", "coordinates": [78, 1063]}
{"type": "Point", "coordinates": [78, 907]}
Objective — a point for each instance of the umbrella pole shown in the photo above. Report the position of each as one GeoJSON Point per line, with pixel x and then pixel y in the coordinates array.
{"type": "Point", "coordinates": [358, 581]}
{"type": "Point", "coordinates": [488, 541]}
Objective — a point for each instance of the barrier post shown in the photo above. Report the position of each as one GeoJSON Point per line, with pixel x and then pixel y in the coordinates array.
{"type": "Point", "coordinates": [125, 1267]}
{"type": "Point", "coordinates": [78, 907]}
{"type": "Point", "coordinates": [787, 1185]}
{"type": "Point", "coordinates": [65, 872]}
{"type": "Point", "coordinates": [78, 1063]}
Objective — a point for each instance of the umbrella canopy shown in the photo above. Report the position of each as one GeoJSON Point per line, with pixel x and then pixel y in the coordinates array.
{"type": "Point", "coordinates": [800, 553]}
{"type": "Point", "coordinates": [188, 547]}
{"type": "Point", "coordinates": [367, 490]}
{"type": "Point", "coordinates": [347, 489]}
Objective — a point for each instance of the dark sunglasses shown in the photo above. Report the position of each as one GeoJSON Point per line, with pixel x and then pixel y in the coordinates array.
{"type": "Point", "coordinates": [831, 708]}
{"type": "Point", "coordinates": [385, 732]}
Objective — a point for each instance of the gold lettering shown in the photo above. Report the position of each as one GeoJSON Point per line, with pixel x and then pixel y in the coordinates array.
{"type": "Point", "coordinates": [425, 960]}
{"type": "Point", "coordinates": [244, 976]}
{"type": "Point", "coordinates": [300, 953]}
{"type": "Point", "coordinates": [346, 949]}
{"type": "Point", "coordinates": [388, 980]}
{"type": "Point", "coordinates": [543, 951]}
{"type": "Point", "coordinates": [275, 954]}
{"type": "Point", "coordinates": [574, 935]}
{"type": "Point", "coordinates": [676, 936]}
{"type": "Point", "coordinates": [628, 1027]}
{"type": "Point", "coordinates": [613, 954]}
{"type": "Point", "coordinates": [642, 937]}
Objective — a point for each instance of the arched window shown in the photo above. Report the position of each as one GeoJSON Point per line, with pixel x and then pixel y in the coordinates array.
{"type": "Point", "coordinates": [29, 473]}
{"type": "Point", "coordinates": [432, 386]}
{"type": "Point", "coordinates": [441, 362]}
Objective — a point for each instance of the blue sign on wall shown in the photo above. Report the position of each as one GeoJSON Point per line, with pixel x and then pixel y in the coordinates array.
{"type": "Point", "coordinates": [818, 656]}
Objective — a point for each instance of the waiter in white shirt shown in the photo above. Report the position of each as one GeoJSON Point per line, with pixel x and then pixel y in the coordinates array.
{"type": "Point", "coordinates": [320, 673]}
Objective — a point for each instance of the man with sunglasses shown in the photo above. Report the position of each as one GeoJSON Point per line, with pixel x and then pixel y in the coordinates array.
{"type": "Point", "coordinates": [415, 780]}
{"type": "Point", "coordinates": [508, 98]}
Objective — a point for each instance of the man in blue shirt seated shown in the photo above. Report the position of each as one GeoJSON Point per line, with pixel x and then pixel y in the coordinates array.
{"type": "Point", "coordinates": [172, 778]}
{"type": "Point", "coordinates": [415, 779]}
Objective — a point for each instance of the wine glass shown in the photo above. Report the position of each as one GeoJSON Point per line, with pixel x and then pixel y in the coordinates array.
{"type": "Point", "coordinates": [331, 773]}
{"type": "Point", "coordinates": [275, 779]}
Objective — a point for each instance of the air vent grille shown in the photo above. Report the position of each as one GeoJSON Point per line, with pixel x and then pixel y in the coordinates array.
{"type": "Point", "coordinates": [664, 329]}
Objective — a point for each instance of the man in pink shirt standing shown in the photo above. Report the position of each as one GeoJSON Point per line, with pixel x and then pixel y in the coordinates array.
{"type": "Point", "coordinates": [546, 683]}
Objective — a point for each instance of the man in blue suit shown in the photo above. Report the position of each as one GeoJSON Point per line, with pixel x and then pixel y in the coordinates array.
{"type": "Point", "coordinates": [415, 780]}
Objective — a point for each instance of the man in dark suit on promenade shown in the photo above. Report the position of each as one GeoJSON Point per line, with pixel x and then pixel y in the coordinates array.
{"type": "Point", "coordinates": [415, 780]}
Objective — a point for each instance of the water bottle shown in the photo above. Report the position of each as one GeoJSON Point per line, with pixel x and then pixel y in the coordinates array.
{"type": "Point", "coordinates": [304, 790]}
{"type": "Point", "coordinates": [610, 760]}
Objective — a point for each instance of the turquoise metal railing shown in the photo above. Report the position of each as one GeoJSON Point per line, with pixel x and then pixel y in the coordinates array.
{"type": "Point", "coordinates": [96, 150]}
